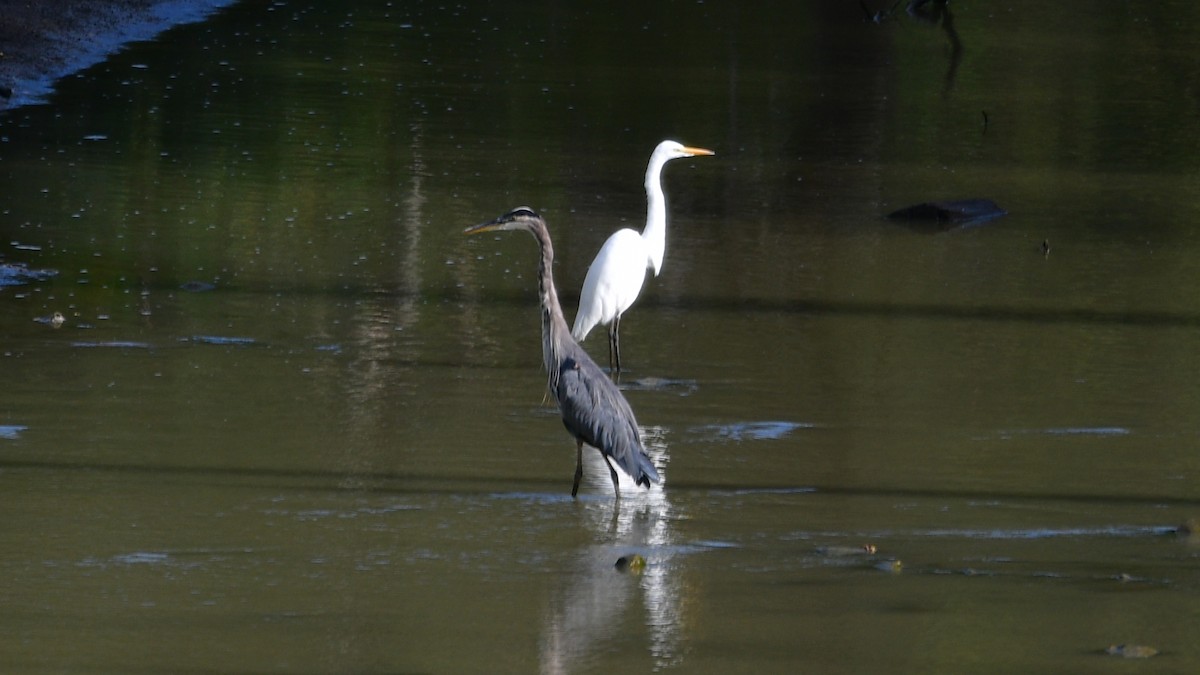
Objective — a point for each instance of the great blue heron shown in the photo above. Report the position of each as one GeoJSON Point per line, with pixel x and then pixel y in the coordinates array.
{"type": "Point", "coordinates": [593, 409]}
{"type": "Point", "coordinates": [615, 278]}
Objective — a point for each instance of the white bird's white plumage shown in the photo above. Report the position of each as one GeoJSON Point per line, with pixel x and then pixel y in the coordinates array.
{"type": "Point", "coordinates": [615, 278]}
{"type": "Point", "coordinates": [613, 281]}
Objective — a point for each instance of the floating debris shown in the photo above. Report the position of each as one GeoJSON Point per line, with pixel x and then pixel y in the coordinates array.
{"type": "Point", "coordinates": [846, 551]}
{"type": "Point", "coordinates": [1190, 528]}
{"type": "Point", "coordinates": [55, 320]}
{"type": "Point", "coordinates": [631, 563]}
{"type": "Point", "coordinates": [890, 566]}
{"type": "Point", "coordinates": [1131, 651]}
{"type": "Point", "coordinates": [1188, 532]}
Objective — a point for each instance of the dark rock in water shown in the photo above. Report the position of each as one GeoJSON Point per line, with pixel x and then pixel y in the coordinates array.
{"type": "Point", "coordinates": [17, 274]}
{"type": "Point", "coordinates": [949, 215]}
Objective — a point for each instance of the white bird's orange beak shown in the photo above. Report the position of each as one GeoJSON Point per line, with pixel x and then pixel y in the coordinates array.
{"type": "Point", "coordinates": [694, 152]}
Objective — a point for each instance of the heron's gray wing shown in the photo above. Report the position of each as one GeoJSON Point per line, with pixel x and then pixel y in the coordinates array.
{"type": "Point", "coordinates": [596, 412]}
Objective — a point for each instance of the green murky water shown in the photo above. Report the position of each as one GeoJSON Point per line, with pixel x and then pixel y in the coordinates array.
{"type": "Point", "coordinates": [293, 421]}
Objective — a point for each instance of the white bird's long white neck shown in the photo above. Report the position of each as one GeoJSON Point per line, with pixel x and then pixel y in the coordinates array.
{"type": "Point", "coordinates": [655, 234]}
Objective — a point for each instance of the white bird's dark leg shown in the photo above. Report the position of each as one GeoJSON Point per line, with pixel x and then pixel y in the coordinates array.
{"type": "Point", "coordinates": [612, 357]}
{"type": "Point", "coordinates": [614, 345]}
{"type": "Point", "coordinates": [578, 467]}
{"type": "Point", "coordinates": [612, 472]}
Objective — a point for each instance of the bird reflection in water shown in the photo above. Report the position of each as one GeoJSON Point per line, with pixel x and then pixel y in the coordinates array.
{"type": "Point", "coordinates": [590, 609]}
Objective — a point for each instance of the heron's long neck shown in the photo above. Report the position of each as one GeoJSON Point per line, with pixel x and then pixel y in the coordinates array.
{"type": "Point", "coordinates": [554, 326]}
{"type": "Point", "coordinates": [655, 233]}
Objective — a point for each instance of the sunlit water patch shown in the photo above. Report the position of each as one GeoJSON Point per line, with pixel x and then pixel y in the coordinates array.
{"type": "Point", "coordinates": [751, 431]}
{"type": "Point", "coordinates": [141, 558]}
{"type": "Point", "coordinates": [661, 384]}
{"type": "Point", "coordinates": [315, 514]}
{"type": "Point", "coordinates": [741, 492]}
{"type": "Point", "coordinates": [1033, 533]}
{"type": "Point", "coordinates": [112, 344]}
{"type": "Point", "coordinates": [16, 274]}
{"type": "Point", "coordinates": [1041, 532]}
{"type": "Point", "coordinates": [541, 497]}
{"type": "Point", "coordinates": [1088, 431]}
{"type": "Point", "coordinates": [11, 431]}
{"type": "Point", "coordinates": [221, 340]}
{"type": "Point", "coordinates": [1102, 432]}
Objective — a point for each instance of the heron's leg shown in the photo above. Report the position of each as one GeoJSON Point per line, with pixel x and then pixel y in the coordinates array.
{"type": "Point", "coordinates": [578, 467]}
{"type": "Point", "coordinates": [612, 472]}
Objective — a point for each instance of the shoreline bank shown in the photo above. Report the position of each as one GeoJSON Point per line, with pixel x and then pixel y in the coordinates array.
{"type": "Point", "coordinates": [42, 42]}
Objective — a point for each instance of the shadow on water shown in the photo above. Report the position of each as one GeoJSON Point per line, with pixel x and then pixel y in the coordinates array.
{"type": "Point", "coordinates": [976, 313]}
{"type": "Point", "coordinates": [1034, 315]}
{"type": "Point", "coordinates": [390, 482]}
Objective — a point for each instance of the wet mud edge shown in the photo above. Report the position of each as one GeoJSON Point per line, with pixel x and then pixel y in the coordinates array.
{"type": "Point", "coordinates": [41, 42]}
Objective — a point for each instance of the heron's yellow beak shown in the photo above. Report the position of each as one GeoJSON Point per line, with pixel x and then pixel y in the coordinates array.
{"type": "Point", "coordinates": [694, 152]}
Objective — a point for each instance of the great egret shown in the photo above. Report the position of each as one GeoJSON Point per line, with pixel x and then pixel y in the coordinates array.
{"type": "Point", "coordinates": [615, 278]}
{"type": "Point", "coordinates": [593, 409]}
